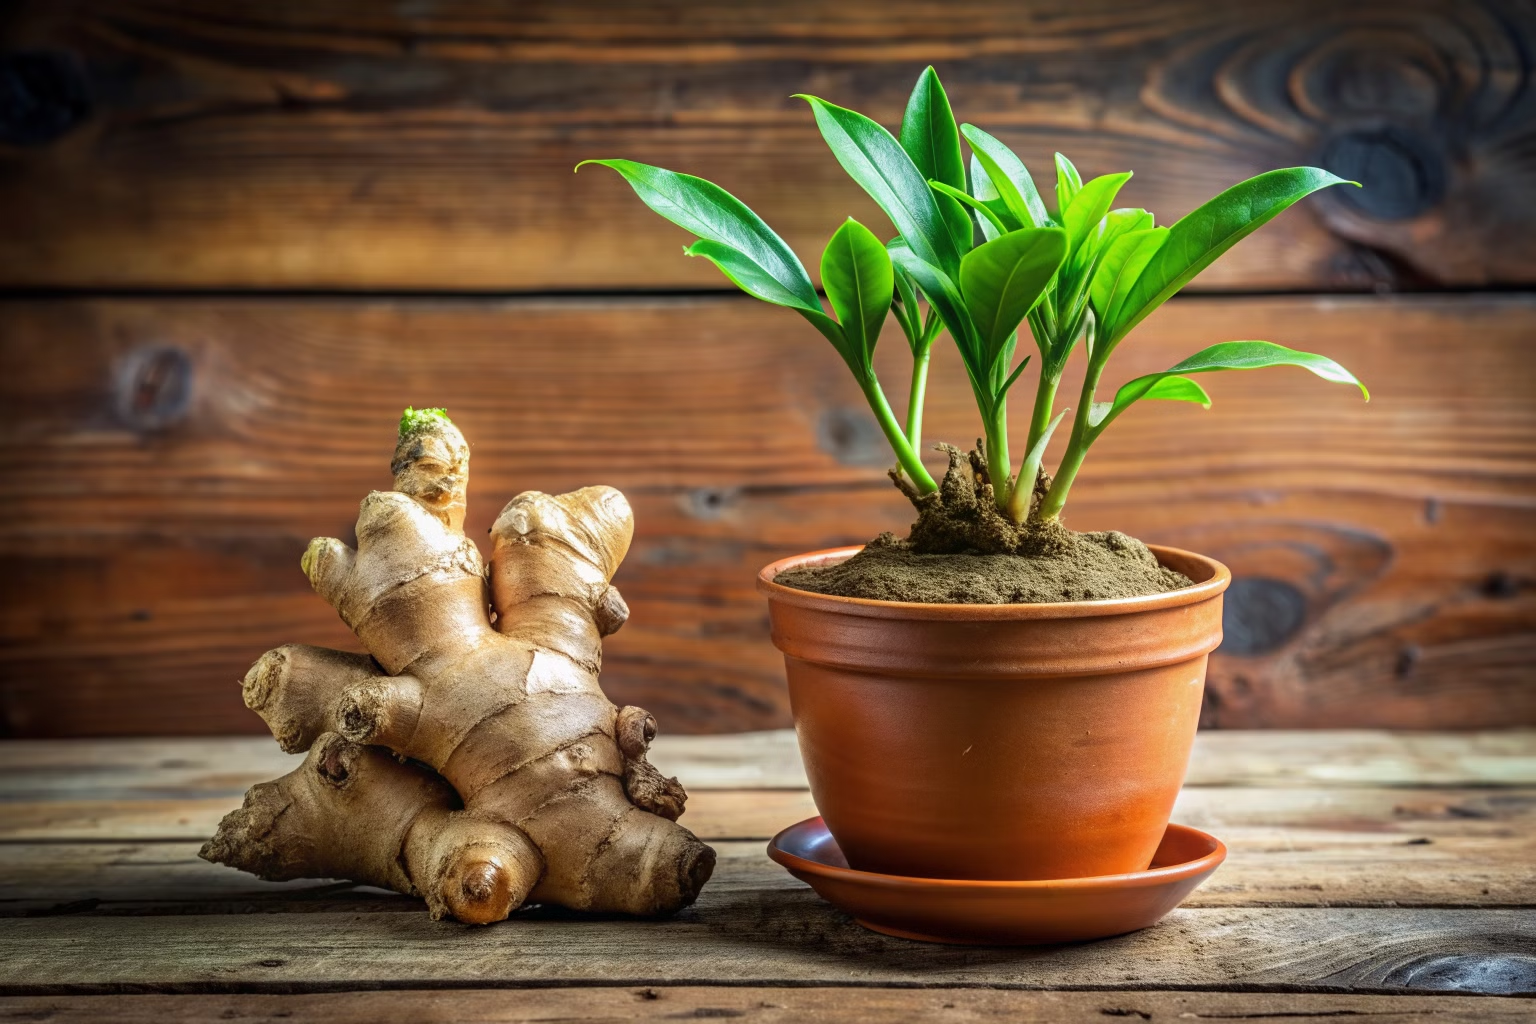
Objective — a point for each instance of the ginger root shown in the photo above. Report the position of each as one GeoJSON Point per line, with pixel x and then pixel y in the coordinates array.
{"type": "Point", "coordinates": [471, 757]}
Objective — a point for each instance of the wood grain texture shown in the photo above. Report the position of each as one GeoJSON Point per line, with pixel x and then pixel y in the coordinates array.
{"type": "Point", "coordinates": [170, 459]}
{"type": "Point", "coordinates": [135, 770]}
{"type": "Point", "coordinates": [1275, 864]}
{"type": "Point", "coordinates": [738, 814]}
{"type": "Point", "coordinates": [764, 936]}
{"type": "Point", "coordinates": [112, 827]}
{"type": "Point", "coordinates": [339, 144]}
{"type": "Point", "coordinates": [1328, 888]}
{"type": "Point", "coordinates": [757, 1005]}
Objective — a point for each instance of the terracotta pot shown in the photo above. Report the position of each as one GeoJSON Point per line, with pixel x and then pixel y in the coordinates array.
{"type": "Point", "coordinates": [1024, 741]}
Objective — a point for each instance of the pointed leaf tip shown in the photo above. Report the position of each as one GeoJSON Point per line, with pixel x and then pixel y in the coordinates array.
{"type": "Point", "coordinates": [1198, 238]}
{"type": "Point", "coordinates": [875, 159]}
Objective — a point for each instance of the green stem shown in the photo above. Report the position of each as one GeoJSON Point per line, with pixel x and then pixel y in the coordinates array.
{"type": "Point", "coordinates": [1045, 402]}
{"type": "Point", "coordinates": [906, 456]}
{"type": "Point", "coordinates": [1077, 447]}
{"type": "Point", "coordinates": [998, 463]}
{"type": "Point", "coordinates": [916, 395]}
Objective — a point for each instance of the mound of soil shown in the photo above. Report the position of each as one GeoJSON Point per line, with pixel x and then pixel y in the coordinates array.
{"type": "Point", "coordinates": [962, 550]}
{"type": "Point", "coordinates": [1089, 567]}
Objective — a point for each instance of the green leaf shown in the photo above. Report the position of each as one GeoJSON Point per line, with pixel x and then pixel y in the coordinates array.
{"type": "Point", "coordinates": [856, 273]}
{"type": "Point", "coordinates": [992, 209]}
{"type": "Point", "coordinates": [944, 297]}
{"type": "Point", "coordinates": [874, 159]}
{"type": "Point", "coordinates": [764, 266]}
{"type": "Point", "coordinates": [1179, 389]}
{"type": "Point", "coordinates": [1068, 183]}
{"type": "Point", "coordinates": [984, 192]}
{"type": "Point", "coordinates": [1118, 271]}
{"type": "Point", "coordinates": [929, 136]}
{"type": "Point", "coordinates": [1075, 278]}
{"type": "Point", "coordinates": [1002, 280]}
{"type": "Point", "coordinates": [1091, 202]}
{"type": "Point", "coordinates": [1009, 178]}
{"type": "Point", "coordinates": [1229, 355]}
{"type": "Point", "coordinates": [1114, 224]}
{"type": "Point", "coordinates": [904, 303]}
{"type": "Point", "coordinates": [750, 278]}
{"type": "Point", "coordinates": [1198, 238]}
{"type": "Point", "coordinates": [745, 274]}
{"type": "Point", "coordinates": [1008, 381]}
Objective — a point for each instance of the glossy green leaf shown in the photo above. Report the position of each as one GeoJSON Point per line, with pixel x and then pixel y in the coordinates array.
{"type": "Point", "coordinates": [874, 159]}
{"type": "Point", "coordinates": [1198, 238]}
{"type": "Point", "coordinates": [1172, 389]}
{"type": "Point", "coordinates": [984, 192]}
{"type": "Point", "coordinates": [1008, 381]}
{"type": "Point", "coordinates": [750, 278]}
{"type": "Point", "coordinates": [929, 136]}
{"type": "Point", "coordinates": [1179, 389]}
{"type": "Point", "coordinates": [1008, 176]}
{"type": "Point", "coordinates": [1118, 272]}
{"type": "Point", "coordinates": [764, 265]}
{"type": "Point", "coordinates": [1077, 276]}
{"type": "Point", "coordinates": [1002, 280]}
{"type": "Point", "coordinates": [1088, 207]}
{"type": "Point", "coordinates": [1114, 224]}
{"type": "Point", "coordinates": [904, 303]}
{"type": "Point", "coordinates": [745, 274]}
{"type": "Point", "coordinates": [856, 273]}
{"type": "Point", "coordinates": [993, 209]}
{"type": "Point", "coordinates": [1068, 183]}
{"type": "Point", "coordinates": [1229, 355]}
{"type": "Point", "coordinates": [944, 296]}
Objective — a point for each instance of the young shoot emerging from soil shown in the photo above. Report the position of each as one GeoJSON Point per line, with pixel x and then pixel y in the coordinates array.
{"type": "Point", "coordinates": [1082, 275]}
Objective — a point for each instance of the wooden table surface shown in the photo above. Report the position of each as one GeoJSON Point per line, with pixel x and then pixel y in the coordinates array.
{"type": "Point", "coordinates": [1371, 873]}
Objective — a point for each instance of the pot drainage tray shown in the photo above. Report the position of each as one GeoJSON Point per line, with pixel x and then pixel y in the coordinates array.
{"type": "Point", "coordinates": [1000, 912]}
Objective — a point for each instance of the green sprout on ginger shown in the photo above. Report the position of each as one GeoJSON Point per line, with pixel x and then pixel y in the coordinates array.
{"type": "Point", "coordinates": [1085, 275]}
{"type": "Point", "coordinates": [413, 420]}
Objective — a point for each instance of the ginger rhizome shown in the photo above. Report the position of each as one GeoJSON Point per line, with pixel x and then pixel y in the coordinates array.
{"type": "Point", "coordinates": [470, 757]}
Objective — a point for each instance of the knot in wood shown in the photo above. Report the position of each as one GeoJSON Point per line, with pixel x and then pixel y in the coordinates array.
{"type": "Point", "coordinates": [1402, 172]}
{"type": "Point", "coordinates": [42, 97]}
{"type": "Point", "coordinates": [1260, 614]}
{"type": "Point", "coordinates": [154, 388]}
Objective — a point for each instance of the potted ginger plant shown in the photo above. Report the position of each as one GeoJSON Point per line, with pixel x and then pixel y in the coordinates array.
{"type": "Point", "coordinates": [993, 696]}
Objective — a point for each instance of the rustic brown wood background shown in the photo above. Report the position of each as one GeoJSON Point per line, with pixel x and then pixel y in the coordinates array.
{"type": "Point", "coordinates": [235, 239]}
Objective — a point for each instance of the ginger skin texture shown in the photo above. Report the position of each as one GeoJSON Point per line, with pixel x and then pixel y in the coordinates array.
{"type": "Point", "coordinates": [471, 757]}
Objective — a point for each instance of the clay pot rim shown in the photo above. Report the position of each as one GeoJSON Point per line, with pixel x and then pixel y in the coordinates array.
{"type": "Point", "coordinates": [1206, 862]}
{"type": "Point", "coordinates": [1220, 576]}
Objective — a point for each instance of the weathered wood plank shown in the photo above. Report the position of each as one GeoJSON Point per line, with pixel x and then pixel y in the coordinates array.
{"type": "Point", "coordinates": [765, 937]}
{"type": "Point", "coordinates": [177, 769]}
{"type": "Point", "coordinates": [1281, 863]}
{"type": "Point", "coordinates": [761, 1006]}
{"type": "Point", "coordinates": [304, 145]}
{"type": "Point", "coordinates": [759, 814]}
{"type": "Point", "coordinates": [173, 458]}
{"type": "Point", "coordinates": [722, 814]}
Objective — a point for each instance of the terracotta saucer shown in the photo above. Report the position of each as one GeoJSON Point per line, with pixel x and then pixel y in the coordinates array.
{"type": "Point", "coordinates": [1000, 912]}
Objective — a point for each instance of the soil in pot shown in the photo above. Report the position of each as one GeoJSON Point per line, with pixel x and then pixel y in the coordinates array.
{"type": "Point", "coordinates": [962, 550]}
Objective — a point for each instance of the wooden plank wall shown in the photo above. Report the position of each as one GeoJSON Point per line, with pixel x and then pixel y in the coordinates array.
{"type": "Point", "coordinates": [236, 239]}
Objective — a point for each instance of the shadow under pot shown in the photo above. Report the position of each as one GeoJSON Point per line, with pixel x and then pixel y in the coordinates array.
{"type": "Point", "coordinates": [1025, 741]}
